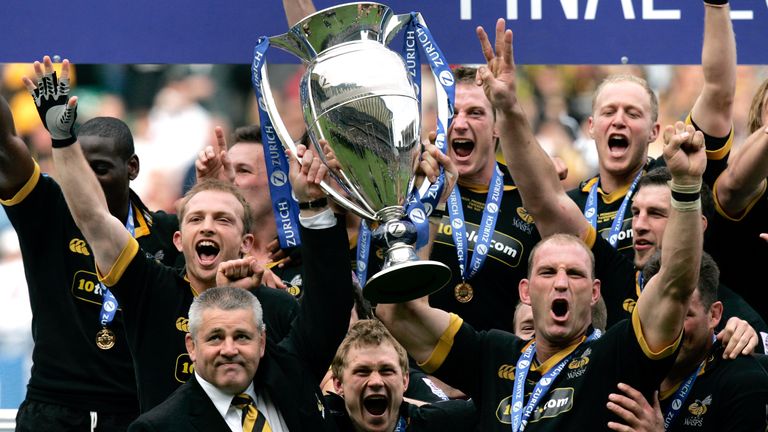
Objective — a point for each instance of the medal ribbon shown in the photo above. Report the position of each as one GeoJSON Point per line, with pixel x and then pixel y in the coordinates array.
{"type": "Point", "coordinates": [682, 394]}
{"type": "Point", "coordinates": [519, 415]}
{"type": "Point", "coordinates": [284, 206]}
{"type": "Point", "coordinates": [363, 249]}
{"type": "Point", "coordinates": [420, 203]}
{"type": "Point", "coordinates": [401, 425]}
{"type": "Point", "coordinates": [590, 209]}
{"type": "Point", "coordinates": [109, 303]}
{"type": "Point", "coordinates": [487, 226]}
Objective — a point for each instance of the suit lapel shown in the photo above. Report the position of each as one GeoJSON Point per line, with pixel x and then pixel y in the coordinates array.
{"type": "Point", "coordinates": [202, 413]}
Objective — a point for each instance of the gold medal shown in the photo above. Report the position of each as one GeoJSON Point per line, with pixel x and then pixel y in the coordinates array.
{"type": "Point", "coordinates": [463, 292]}
{"type": "Point", "coordinates": [105, 339]}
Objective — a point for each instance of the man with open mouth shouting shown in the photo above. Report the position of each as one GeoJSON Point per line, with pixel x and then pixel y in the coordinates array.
{"type": "Point", "coordinates": [551, 382]}
{"type": "Point", "coordinates": [370, 375]}
{"type": "Point", "coordinates": [624, 122]}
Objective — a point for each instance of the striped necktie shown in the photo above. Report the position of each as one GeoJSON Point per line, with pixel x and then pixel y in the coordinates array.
{"type": "Point", "coordinates": [253, 419]}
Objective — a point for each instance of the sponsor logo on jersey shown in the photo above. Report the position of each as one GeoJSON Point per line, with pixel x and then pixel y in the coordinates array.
{"type": "Point", "coordinates": [503, 248]}
{"type": "Point", "coordinates": [507, 371]}
{"type": "Point", "coordinates": [184, 368]}
{"type": "Point", "coordinates": [86, 287]}
{"type": "Point", "coordinates": [182, 324]}
{"type": "Point", "coordinates": [554, 403]}
{"type": "Point", "coordinates": [79, 246]}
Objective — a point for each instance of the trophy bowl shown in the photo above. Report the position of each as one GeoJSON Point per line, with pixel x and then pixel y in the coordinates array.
{"type": "Point", "coordinates": [358, 96]}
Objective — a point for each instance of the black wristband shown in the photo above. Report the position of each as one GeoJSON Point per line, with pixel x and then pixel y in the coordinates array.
{"type": "Point", "coordinates": [61, 143]}
{"type": "Point", "coordinates": [685, 197]}
{"type": "Point", "coordinates": [318, 203]}
{"type": "Point", "coordinates": [716, 2]}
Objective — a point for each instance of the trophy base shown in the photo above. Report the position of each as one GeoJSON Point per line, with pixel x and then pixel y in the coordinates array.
{"type": "Point", "coordinates": [406, 281]}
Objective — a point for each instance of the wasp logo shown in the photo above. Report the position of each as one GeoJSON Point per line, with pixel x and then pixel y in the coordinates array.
{"type": "Point", "coordinates": [77, 245]}
{"type": "Point", "coordinates": [524, 215]}
{"type": "Point", "coordinates": [699, 408]}
{"type": "Point", "coordinates": [507, 372]}
{"type": "Point", "coordinates": [182, 324]}
{"type": "Point", "coordinates": [581, 361]}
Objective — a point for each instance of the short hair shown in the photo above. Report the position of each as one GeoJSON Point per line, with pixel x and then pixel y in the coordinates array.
{"type": "Point", "coordinates": [110, 127]}
{"type": "Point", "coordinates": [365, 333]}
{"type": "Point", "coordinates": [221, 186]}
{"type": "Point", "coordinates": [755, 119]}
{"type": "Point", "coordinates": [247, 134]}
{"type": "Point", "coordinates": [617, 78]}
{"type": "Point", "coordinates": [465, 75]}
{"type": "Point", "coordinates": [226, 298]}
{"type": "Point", "coordinates": [660, 176]}
{"type": "Point", "coordinates": [709, 277]}
{"type": "Point", "coordinates": [562, 238]}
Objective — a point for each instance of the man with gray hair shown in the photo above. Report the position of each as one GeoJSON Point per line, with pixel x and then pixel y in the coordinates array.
{"type": "Point", "coordinates": [226, 342]}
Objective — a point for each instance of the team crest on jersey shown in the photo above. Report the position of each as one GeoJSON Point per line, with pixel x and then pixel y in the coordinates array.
{"type": "Point", "coordinates": [524, 215]}
{"type": "Point", "coordinates": [79, 246]}
{"type": "Point", "coordinates": [157, 256]}
{"type": "Point", "coordinates": [556, 402]}
{"type": "Point", "coordinates": [507, 371]}
{"type": "Point", "coordinates": [581, 361]}
{"type": "Point", "coordinates": [697, 409]}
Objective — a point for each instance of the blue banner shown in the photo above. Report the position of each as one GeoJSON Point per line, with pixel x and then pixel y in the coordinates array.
{"type": "Point", "coordinates": [546, 32]}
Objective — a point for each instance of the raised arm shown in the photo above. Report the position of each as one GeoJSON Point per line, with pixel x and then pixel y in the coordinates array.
{"type": "Point", "coordinates": [296, 10]}
{"type": "Point", "coordinates": [16, 165]}
{"type": "Point", "coordinates": [744, 178]}
{"type": "Point", "coordinates": [106, 236]}
{"type": "Point", "coordinates": [531, 168]}
{"type": "Point", "coordinates": [663, 304]}
{"type": "Point", "coordinates": [713, 110]}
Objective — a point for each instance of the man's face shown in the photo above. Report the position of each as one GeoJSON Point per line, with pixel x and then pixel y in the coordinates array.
{"type": "Point", "coordinates": [699, 325]}
{"type": "Point", "coordinates": [650, 212]}
{"type": "Point", "coordinates": [561, 292]}
{"type": "Point", "coordinates": [472, 137]}
{"type": "Point", "coordinates": [372, 385]}
{"type": "Point", "coordinates": [251, 176]}
{"type": "Point", "coordinates": [114, 173]}
{"type": "Point", "coordinates": [211, 233]}
{"type": "Point", "coordinates": [227, 348]}
{"type": "Point", "coordinates": [524, 322]}
{"type": "Point", "coordinates": [622, 127]}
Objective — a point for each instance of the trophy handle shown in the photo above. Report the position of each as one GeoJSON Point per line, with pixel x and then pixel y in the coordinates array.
{"type": "Point", "coordinates": [287, 141]}
{"type": "Point", "coordinates": [394, 25]}
{"type": "Point", "coordinates": [294, 45]}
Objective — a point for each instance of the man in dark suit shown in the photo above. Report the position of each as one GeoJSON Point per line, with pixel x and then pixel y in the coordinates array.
{"type": "Point", "coordinates": [226, 342]}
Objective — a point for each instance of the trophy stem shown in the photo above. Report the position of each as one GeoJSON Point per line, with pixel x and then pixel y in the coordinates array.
{"type": "Point", "coordinates": [390, 213]}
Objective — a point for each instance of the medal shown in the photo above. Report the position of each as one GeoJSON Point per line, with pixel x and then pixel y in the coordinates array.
{"type": "Point", "coordinates": [463, 292]}
{"type": "Point", "coordinates": [105, 339]}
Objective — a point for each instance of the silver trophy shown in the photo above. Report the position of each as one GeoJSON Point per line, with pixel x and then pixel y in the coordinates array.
{"type": "Point", "coordinates": [357, 95]}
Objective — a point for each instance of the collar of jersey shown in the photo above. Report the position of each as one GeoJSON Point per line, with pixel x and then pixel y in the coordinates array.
{"type": "Point", "coordinates": [608, 198]}
{"type": "Point", "coordinates": [481, 188]}
{"type": "Point", "coordinates": [666, 394]}
{"type": "Point", "coordinates": [555, 359]}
